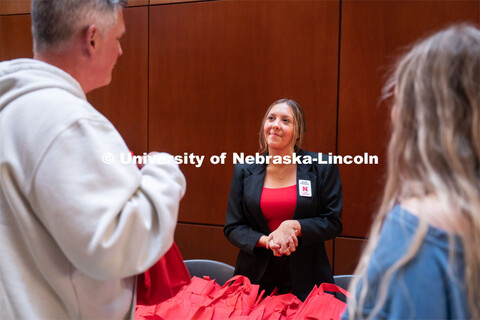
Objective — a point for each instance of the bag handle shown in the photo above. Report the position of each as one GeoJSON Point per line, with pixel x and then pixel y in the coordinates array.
{"type": "Point", "coordinates": [238, 279]}
{"type": "Point", "coordinates": [334, 288]}
{"type": "Point", "coordinates": [230, 285]}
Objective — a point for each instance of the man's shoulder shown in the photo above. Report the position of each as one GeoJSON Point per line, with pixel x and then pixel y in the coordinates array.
{"type": "Point", "coordinates": [39, 117]}
{"type": "Point", "coordinates": [56, 103]}
{"type": "Point", "coordinates": [32, 86]}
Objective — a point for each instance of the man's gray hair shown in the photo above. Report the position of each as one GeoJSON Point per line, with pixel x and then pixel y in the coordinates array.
{"type": "Point", "coordinates": [56, 22]}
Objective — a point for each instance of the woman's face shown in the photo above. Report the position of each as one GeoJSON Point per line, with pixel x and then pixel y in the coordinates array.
{"type": "Point", "coordinates": [279, 129]}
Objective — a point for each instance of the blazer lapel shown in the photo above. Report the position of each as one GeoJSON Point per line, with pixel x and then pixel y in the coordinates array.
{"type": "Point", "coordinates": [253, 186]}
{"type": "Point", "coordinates": [305, 204]}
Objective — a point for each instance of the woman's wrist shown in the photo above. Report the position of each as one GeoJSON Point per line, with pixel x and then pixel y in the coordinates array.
{"type": "Point", "coordinates": [294, 225]}
{"type": "Point", "coordinates": [262, 242]}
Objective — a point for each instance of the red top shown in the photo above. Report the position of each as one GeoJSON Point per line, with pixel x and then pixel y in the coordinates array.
{"type": "Point", "coordinates": [278, 205]}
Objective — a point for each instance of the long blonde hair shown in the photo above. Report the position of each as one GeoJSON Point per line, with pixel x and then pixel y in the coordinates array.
{"type": "Point", "coordinates": [434, 150]}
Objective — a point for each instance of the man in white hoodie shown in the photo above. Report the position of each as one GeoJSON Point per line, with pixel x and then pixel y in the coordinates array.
{"type": "Point", "coordinates": [76, 225]}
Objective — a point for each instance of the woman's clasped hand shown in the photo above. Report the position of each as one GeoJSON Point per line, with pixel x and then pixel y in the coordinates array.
{"type": "Point", "coordinates": [284, 241]}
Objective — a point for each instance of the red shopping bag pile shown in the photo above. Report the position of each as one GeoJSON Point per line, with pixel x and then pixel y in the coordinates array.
{"type": "Point", "coordinates": [166, 292]}
{"type": "Point", "coordinates": [205, 299]}
{"type": "Point", "coordinates": [238, 299]}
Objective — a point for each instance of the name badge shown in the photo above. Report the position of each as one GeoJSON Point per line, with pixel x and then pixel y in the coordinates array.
{"type": "Point", "coordinates": [304, 188]}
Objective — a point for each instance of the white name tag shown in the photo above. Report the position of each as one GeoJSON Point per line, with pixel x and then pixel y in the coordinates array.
{"type": "Point", "coordinates": [304, 188]}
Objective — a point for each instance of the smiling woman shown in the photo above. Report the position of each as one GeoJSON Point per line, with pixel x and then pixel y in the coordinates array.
{"type": "Point", "coordinates": [280, 214]}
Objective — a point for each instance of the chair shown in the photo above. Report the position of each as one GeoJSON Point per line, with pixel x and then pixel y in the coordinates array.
{"type": "Point", "coordinates": [217, 270]}
{"type": "Point", "coordinates": [343, 282]}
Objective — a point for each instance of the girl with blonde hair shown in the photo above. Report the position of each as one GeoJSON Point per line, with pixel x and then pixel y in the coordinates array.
{"type": "Point", "coordinates": [423, 257]}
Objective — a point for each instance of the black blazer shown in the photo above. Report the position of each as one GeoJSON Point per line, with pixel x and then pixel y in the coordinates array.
{"type": "Point", "coordinates": [318, 215]}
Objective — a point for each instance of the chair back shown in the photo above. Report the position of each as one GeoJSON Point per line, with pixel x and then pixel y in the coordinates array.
{"type": "Point", "coordinates": [217, 270]}
{"type": "Point", "coordinates": [343, 281]}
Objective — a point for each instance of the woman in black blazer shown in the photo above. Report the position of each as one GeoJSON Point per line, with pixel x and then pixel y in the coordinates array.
{"type": "Point", "coordinates": [280, 214]}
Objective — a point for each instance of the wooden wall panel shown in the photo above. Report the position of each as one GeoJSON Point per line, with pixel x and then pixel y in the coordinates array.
{"type": "Point", "coordinates": [124, 102]}
{"type": "Point", "coordinates": [133, 3]}
{"type": "Point", "coordinates": [373, 32]}
{"type": "Point", "coordinates": [15, 37]}
{"type": "Point", "coordinates": [14, 6]}
{"type": "Point", "coordinates": [23, 6]}
{"type": "Point", "coordinates": [204, 242]}
{"type": "Point", "coordinates": [214, 69]}
{"type": "Point", "coordinates": [347, 254]}
{"type": "Point", "coordinates": [173, 1]}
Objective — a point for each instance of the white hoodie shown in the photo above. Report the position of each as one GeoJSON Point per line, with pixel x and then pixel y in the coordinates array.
{"type": "Point", "coordinates": [74, 230]}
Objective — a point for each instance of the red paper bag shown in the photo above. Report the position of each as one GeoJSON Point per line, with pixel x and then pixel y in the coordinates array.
{"type": "Point", "coordinates": [163, 280]}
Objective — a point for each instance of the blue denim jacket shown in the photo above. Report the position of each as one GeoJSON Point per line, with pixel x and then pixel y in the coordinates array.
{"type": "Point", "coordinates": [429, 286]}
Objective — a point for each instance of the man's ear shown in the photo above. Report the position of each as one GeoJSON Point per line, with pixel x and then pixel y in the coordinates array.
{"type": "Point", "coordinates": [91, 39]}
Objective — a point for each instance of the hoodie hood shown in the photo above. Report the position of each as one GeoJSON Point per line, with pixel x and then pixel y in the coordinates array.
{"type": "Point", "coordinates": [21, 76]}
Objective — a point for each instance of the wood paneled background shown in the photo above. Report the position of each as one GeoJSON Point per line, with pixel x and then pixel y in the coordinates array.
{"type": "Point", "coordinates": [197, 76]}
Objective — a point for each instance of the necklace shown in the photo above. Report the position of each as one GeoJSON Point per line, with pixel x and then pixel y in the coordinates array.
{"type": "Point", "coordinates": [282, 172]}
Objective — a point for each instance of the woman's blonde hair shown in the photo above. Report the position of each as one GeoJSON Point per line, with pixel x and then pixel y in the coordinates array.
{"type": "Point", "coordinates": [299, 126]}
{"type": "Point", "coordinates": [434, 150]}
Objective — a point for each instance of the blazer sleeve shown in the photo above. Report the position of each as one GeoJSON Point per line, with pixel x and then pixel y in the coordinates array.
{"type": "Point", "coordinates": [327, 224]}
{"type": "Point", "coordinates": [238, 228]}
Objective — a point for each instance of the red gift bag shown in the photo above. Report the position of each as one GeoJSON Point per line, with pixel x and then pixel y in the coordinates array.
{"type": "Point", "coordinates": [164, 279]}
{"type": "Point", "coordinates": [236, 298]}
{"type": "Point", "coordinates": [276, 307]}
{"type": "Point", "coordinates": [321, 305]}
